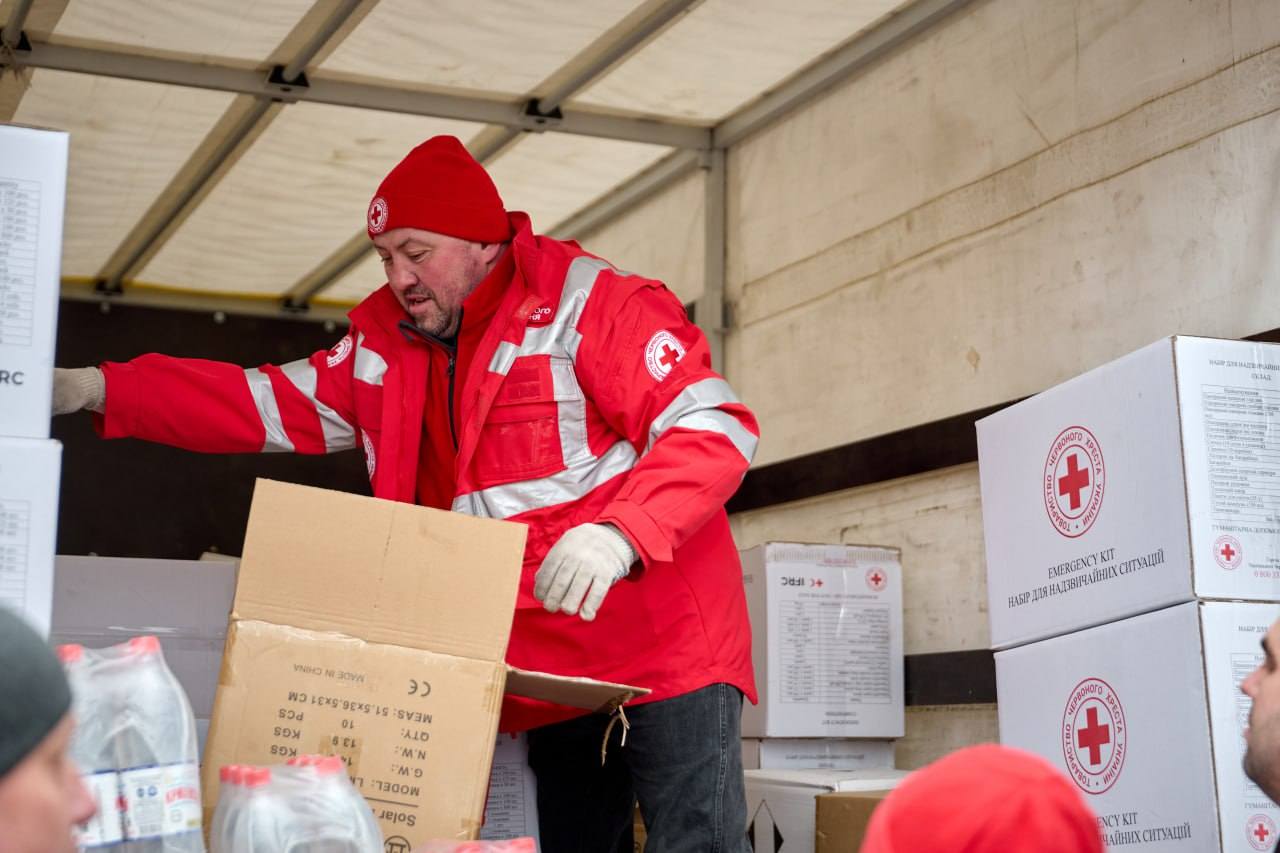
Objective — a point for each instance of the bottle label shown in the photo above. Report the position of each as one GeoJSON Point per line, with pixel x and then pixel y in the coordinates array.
{"type": "Point", "coordinates": [161, 801]}
{"type": "Point", "coordinates": [105, 828]}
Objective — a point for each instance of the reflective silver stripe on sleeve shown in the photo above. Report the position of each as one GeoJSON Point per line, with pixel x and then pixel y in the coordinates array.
{"type": "Point", "coordinates": [369, 367]}
{"type": "Point", "coordinates": [269, 411]}
{"type": "Point", "coordinates": [697, 407]}
{"type": "Point", "coordinates": [562, 487]}
{"type": "Point", "coordinates": [338, 434]}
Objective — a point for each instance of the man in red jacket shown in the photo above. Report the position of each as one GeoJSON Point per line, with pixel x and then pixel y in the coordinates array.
{"type": "Point", "coordinates": [507, 375]}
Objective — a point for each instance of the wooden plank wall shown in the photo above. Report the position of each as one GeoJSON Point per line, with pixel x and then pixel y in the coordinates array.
{"type": "Point", "coordinates": [1027, 191]}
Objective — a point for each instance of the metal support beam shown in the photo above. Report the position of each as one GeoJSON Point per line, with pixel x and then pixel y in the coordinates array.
{"type": "Point", "coordinates": [654, 179]}
{"type": "Point", "coordinates": [835, 68]}
{"type": "Point", "coordinates": [11, 33]}
{"type": "Point", "coordinates": [145, 297]}
{"type": "Point", "coordinates": [244, 120]}
{"type": "Point", "coordinates": [600, 123]}
{"type": "Point", "coordinates": [710, 312]}
{"type": "Point", "coordinates": [611, 50]}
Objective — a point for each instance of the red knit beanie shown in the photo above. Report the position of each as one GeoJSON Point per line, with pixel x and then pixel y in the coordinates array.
{"type": "Point", "coordinates": [984, 798]}
{"type": "Point", "coordinates": [440, 187]}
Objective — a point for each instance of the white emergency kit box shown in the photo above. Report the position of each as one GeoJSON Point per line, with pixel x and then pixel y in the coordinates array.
{"type": "Point", "coordinates": [29, 475]}
{"type": "Point", "coordinates": [1146, 718]}
{"type": "Point", "coordinates": [33, 182]}
{"type": "Point", "coordinates": [816, 753]}
{"type": "Point", "coordinates": [826, 640]}
{"type": "Point", "coordinates": [1151, 480]}
{"type": "Point", "coordinates": [782, 804]}
{"type": "Point", "coordinates": [511, 809]}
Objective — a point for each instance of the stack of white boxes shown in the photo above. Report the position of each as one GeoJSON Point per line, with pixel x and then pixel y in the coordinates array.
{"type": "Point", "coordinates": [33, 176]}
{"type": "Point", "coordinates": [826, 624]}
{"type": "Point", "coordinates": [1132, 520]}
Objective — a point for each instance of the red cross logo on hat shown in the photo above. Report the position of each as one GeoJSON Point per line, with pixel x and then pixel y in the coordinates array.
{"type": "Point", "coordinates": [377, 215]}
{"type": "Point", "coordinates": [1073, 481]}
{"type": "Point", "coordinates": [1260, 832]}
{"type": "Point", "coordinates": [876, 580]}
{"type": "Point", "coordinates": [1228, 552]}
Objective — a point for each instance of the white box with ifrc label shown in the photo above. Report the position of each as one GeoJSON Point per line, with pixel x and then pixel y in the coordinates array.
{"type": "Point", "coordinates": [1146, 717]}
{"type": "Point", "coordinates": [1151, 480]}
{"type": "Point", "coordinates": [826, 640]}
{"type": "Point", "coordinates": [816, 753]}
{"type": "Point", "coordinates": [30, 470]}
{"type": "Point", "coordinates": [782, 805]}
{"type": "Point", "coordinates": [511, 806]}
{"type": "Point", "coordinates": [33, 186]}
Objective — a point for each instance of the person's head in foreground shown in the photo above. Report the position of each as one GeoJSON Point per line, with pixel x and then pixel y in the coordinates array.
{"type": "Point", "coordinates": [1262, 737]}
{"type": "Point", "coordinates": [41, 795]}
{"type": "Point", "coordinates": [984, 798]}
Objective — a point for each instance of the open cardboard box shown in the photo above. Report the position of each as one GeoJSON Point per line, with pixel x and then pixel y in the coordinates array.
{"type": "Point", "coordinates": [377, 631]}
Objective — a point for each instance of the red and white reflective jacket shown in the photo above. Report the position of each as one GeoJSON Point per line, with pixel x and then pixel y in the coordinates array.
{"type": "Point", "coordinates": [590, 398]}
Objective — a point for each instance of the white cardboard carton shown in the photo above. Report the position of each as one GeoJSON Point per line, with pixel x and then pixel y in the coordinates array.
{"type": "Point", "coordinates": [826, 623]}
{"type": "Point", "coordinates": [1122, 710]}
{"type": "Point", "coordinates": [511, 808]}
{"type": "Point", "coordinates": [782, 808]}
{"type": "Point", "coordinates": [103, 601]}
{"type": "Point", "coordinates": [830, 753]}
{"type": "Point", "coordinates": [1151, 480]}
{"type": "Point", "coordinates": [33, 182]}
{"type": "Point", "coordinates": [29, 477]}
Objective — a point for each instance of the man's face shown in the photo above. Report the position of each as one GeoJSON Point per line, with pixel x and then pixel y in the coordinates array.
{"type": "Point", "coordinates": [42, 798]}
{"type": "Point", "coordinates": [431, 274]}
{"type": "Point", "coordinates": [1262, 738]}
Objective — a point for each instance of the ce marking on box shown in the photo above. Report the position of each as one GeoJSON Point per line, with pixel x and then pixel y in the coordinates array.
{"type": "Point", "coordinates": [419, 688]}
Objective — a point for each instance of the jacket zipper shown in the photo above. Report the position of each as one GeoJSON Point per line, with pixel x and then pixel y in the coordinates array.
{"type": "Point", "coordinates": [408, 329]}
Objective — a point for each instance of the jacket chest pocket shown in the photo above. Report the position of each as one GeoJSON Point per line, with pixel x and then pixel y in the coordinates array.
{"type": "Point", "coordinates": [522, 436]}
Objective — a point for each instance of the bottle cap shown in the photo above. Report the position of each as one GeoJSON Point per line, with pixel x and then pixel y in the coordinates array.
{"type": "Point", "coordinates": [330, 765]}
{"type": "Point", "coordinates": [147, 645]}
{"type": "Point", "coordinates": [256, 777]}
{"type": "Point", "coordinates": [70, 653]}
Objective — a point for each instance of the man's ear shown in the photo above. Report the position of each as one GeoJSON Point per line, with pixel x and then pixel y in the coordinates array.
{"type": "Point", "coordinates": [491, 251]}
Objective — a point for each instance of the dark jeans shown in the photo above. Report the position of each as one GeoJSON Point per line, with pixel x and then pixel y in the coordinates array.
{"type": "Point", "coordinates": [682, 761]}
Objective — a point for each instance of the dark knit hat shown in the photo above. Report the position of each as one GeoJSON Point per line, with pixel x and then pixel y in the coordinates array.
{"type": "Point", "coordinates": [34, 694]}
{"type": "Point", "coordinates": [984, 798]}
{"type": "Point", "coordinates": [440, 187]}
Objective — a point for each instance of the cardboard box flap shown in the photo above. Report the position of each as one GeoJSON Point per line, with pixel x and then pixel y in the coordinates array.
{"type": "Point", "coordinates": [586, 693]}
{"type": "Point", "coordinates": [370, 568]}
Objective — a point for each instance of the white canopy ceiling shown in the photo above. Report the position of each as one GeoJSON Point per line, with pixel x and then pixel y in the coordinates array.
{"type": "Point", "coordinates": [190, 173]}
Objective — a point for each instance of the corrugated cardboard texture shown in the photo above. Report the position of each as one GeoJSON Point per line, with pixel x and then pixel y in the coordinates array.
{"type": "Point", "coordinates": [331, 561]}
{"type": "Point", "coordinates": [416, 728]}
{"type": "Point", "coordinates": [843, 819]}
{"type": "Point", "coordinates": [583, 693]}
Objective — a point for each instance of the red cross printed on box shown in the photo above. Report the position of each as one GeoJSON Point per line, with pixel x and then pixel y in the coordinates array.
{"type": "Point", "coordinates": [1074, 482]}
{"type": "Point", "coordinates": [876, 580]}
{"type": "Point", "coordinates": [1227, 552]}
{"type": "Point", "coordinates": [817, 582]}
{"type": "Point", "coordinates": [1093, 736]}
{"type": "Point", "coordinates": [1260, 831]}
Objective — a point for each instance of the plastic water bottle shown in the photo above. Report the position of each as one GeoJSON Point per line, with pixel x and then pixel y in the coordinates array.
{"type": "Point", "coordinates": [156, 751]}
{"type": "Point", "coordinates": [136, 741]}
{"type": "Point", "coordinates": [93, 752]}
{"type": "Point", "coordinates": [307, 806]}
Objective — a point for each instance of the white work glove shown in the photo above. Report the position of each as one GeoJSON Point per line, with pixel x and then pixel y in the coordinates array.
{"type": "Point", "coordinates": [580, 569]}
{"type": "Point", "coordinates": [78, 388]}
